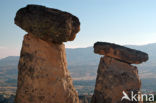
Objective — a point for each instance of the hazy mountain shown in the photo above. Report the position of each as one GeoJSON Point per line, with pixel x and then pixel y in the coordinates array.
{"type": "Point", "coordinates": [85, 56]}
{"type": "Point", "coordinates": [11, 60]}
{"type": "Point", "coordinates": [82, 56]}
{"type": "Point", "coordinates": [83, 64]}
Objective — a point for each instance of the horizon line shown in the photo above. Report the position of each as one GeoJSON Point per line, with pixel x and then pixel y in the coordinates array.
{"type": "Point", "coordinates": [114, 43]}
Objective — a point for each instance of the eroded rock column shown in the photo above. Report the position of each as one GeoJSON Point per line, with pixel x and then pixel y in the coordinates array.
{"type": "Point", "coordinates": [116, 75]}
{"type": "Point", "coordinates": [43, 76]}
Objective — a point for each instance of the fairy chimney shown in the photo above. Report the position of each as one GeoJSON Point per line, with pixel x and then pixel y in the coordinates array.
{"type": "Point", "coordinates": [116, 76]}
{"type": "Point", "coordinates": [43, 76]}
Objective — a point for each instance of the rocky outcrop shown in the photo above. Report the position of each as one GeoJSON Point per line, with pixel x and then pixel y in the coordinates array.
{"type": "Point", "coordinates": [124, 54]}
{"type": "Point", "coordinates": [116, 76]}
{"type": "Point", "coordinates": [48, 24]}
{"type": "Point", "coordinates": [43, 76]}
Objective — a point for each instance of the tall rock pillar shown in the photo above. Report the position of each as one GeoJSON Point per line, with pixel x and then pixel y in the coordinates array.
{"type": "Point", "coordinates": [116, 77]}
{"type": "Point", "coordinates": [43, 76]}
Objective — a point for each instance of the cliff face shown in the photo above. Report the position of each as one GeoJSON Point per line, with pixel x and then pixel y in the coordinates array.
{"type": "Point", "coordinates": [116, 76]}
{"type": "Point", "coordinates": [43, 76]}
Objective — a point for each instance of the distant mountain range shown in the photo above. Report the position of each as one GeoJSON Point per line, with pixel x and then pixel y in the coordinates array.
{"type": "Point", "coordinates": [83, 64]}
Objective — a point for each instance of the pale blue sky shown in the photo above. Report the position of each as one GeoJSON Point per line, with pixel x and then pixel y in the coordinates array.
{"type": "Point", "coordinates": [118, 21]}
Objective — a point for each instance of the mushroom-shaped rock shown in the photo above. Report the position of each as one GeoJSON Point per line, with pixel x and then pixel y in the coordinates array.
{"type": "Point", "coordinates": [121, 53]}
{"type": "Point", "coordinates": [43, 76]}
{"type": "Point", "coordinates": [48, 24]}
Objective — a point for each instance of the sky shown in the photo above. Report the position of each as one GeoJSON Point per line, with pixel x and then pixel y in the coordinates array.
{"type": "Point", "coordinates": [131, 22]}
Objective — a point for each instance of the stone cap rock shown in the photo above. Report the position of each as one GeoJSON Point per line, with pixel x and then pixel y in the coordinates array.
{"type": "Point", "coordinates": [121, 53]}
{"type": "Point", "coordinates": [47, 23]}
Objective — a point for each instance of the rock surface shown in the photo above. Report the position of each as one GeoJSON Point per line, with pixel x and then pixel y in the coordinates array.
{"type": "Point", "coordinates": [122, 53]}
{"type": "Point", "coordinates": [48, 24]}
{"type": "Point", "coordinates": [113, 78]}
{"type": "Point", "coordinates": [43, 76]}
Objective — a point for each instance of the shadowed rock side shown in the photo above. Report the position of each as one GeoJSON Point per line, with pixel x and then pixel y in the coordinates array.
{"type": "Point", "coordinates": [113, 78]}
{"type": "Point", "coordinates": [43, 76]}
{"type": "Point", "coordinates": [122, 53]}
{"type": "Point", "coordinates": [47, 23]}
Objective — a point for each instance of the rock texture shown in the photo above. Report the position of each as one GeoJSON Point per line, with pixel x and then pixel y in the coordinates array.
{"type": "Point", "coordinates": [43, 76]}
{"type": "Point", "coordinates": [124, 54]}
{"type": "Point", "coordinates": [48, 24]}
{"type": "Point", "coordinates": [113, 78]}
{"type": "Point", "coordinates": [116, 74]}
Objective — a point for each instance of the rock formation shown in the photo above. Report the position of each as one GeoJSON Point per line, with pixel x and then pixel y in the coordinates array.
{"type": "Point", "coordinates": [48, 24]}
{"type": "Point", "coordinates": [128, 55]}
{"type": "Point", "coordinates": [116, 74]}
{"type": "Point", "coordinates": [43, 76]}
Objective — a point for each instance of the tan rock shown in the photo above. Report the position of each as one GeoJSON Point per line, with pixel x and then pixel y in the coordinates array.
{"type": "Point", "coordinates": [122, 53]}
{"type": "Point", "coordinates": [47, 23]}
{"type": "Point", "coordinates": [43, 76]}
{"type": "Point", "coordinates": [113, 78]}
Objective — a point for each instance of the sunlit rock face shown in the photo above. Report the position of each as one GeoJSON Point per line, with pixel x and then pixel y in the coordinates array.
{"type": "Point", "coordinates": [115, 73]}
{"type": "Point", "coordinates": [113, 78]}
{"type": "Point", "coordinates": [43, 76]}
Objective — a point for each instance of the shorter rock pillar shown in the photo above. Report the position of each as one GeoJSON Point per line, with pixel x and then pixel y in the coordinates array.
{"type": "Point", "coordinates": [115, 75]}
